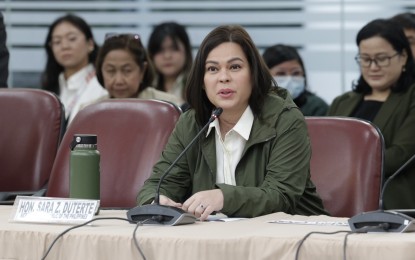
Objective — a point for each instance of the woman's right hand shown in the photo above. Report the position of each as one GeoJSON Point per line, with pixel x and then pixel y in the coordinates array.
{"type": "Point", "coordinates": [164, 200]}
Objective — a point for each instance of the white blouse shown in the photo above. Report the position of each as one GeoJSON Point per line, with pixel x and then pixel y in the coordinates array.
{"type": "Point", "coordinates": [229, 151]}
{"type": "Point", "coordinates": [79, 90]}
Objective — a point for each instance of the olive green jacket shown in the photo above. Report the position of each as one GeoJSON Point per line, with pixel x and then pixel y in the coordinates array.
{"type": "Point", "coordinates": [396, 121]}
{"type": "Point", "coordinates": [273, 174]}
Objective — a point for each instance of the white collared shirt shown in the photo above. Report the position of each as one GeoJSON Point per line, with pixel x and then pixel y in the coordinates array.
{"type": "Point", "coordinates": [229, 151]}
{"type": "Point", "coordinates": [80, 89]}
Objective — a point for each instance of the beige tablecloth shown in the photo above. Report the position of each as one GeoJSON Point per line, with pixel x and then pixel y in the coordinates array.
{"type": "Point", "coordinates": [244, 239]}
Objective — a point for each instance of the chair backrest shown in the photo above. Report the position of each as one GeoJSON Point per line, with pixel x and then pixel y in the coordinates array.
{"type": "Point", "coordinates": [31, 128]}
{"type": "Point", "coordinates": [346, 163]}
{"type": "Point", "coordinates": [131, 136]}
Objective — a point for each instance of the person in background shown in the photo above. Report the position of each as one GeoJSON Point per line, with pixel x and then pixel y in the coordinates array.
{"type": "Point", "coordinates": [170, 50]}
{"type": "Point", "coordinates": [385, 95]}
{"type": "Point", "coordinates": [4, 55]}
{"type": "Point", "coordinates": [125, 70]}
{"type": "Point", "coordinates": [407, 21]}
{"type": "Point", "coordinates": [287, 67]}
{"type": "Point", "coordinates": [255, 158]}
{"type": "Point", "coordinates": [70, 72]}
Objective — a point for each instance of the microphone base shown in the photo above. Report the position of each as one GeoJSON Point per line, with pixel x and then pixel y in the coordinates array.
{"type": "Point", "coordinates": [381, 221]}
{"type": "Point", "coordinates": [159, 214]}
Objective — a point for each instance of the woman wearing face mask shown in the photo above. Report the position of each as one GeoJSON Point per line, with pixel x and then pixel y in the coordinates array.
{"type": "Point", "coordinates": [287, 68]}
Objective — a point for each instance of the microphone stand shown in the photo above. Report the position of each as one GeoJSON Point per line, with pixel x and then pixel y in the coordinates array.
{"type": "Point", "coordinates": [167, 215]}
{"type": "Point", "coordinates": [384, 220]}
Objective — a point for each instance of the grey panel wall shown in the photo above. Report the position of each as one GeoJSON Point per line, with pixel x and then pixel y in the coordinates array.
{"type": "Point", "coordinates": [323, 30]}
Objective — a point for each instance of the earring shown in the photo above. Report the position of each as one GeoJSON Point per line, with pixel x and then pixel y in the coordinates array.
{"type": "Point", "coordinates": [403, 69]}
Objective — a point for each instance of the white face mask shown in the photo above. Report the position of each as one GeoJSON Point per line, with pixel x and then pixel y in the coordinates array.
{"type": "Point", "coordinates": [294, 84]}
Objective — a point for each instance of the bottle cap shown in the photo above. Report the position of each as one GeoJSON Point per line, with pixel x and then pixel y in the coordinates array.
{"type": "Point", "coordinates": [83, 139]}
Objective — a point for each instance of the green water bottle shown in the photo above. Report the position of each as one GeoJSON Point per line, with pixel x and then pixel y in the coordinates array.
{"type": "Point", "coordinates": [84, 180]}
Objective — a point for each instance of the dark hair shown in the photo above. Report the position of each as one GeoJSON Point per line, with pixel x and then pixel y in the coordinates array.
{"type": "Point", "coordinates": [261, 78]}
{"type": "Point", "coordinates": [132, 44]}
{"type": "Point", "coordinates": [50, 76]}
{"type": "Point", "coordinates": [393, 34]}
{"type": "Point", "coordinates": [406, 20]}
{"type": "Point", "coordinates": [280, 53]}
{"type": "Point", "coordinates": [177, 33]}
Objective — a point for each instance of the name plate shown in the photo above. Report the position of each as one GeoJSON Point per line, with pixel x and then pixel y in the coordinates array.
{"type": "Point", "coordinates": [53, 210]}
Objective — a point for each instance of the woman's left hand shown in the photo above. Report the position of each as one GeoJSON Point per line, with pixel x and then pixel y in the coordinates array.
{"type": "Point", "coordinates": [203, 203]}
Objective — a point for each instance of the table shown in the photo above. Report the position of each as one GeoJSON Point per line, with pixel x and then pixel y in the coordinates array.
{"type": "Point", "coordinates": [254, 238]}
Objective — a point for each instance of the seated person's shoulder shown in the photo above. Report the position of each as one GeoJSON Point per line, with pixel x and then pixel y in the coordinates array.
{"type": "Point", "coordinates": [313, 97]}
{"type": "Point", "coordinates": [102, 98]}
{"type": "Point", "coordinates": [280, 110]}
{"type": "Point", "coordinates": [347, 95]}
{"type": "Point", "coordinates": [278, 100]}
{"type": "Point", "coordinates": [152, 93]}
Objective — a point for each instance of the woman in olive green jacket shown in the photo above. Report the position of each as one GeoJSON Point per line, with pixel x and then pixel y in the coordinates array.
{"type": "Point", "coordinates": [385, 95]}
{"type": "Point", "coordinates": [272, 173]}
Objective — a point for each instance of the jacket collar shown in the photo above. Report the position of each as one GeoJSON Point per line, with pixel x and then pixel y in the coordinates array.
{"type": "Point", "coordinates": [263, 128]}
{"type": "Point", "coordinates": [385, 112]}
{"type": "Point", "coordinates": [242, 127]}
{"type": "Point", "coordinates": [387, 109]}
{"type": "Point", "coordinates": [354, 100]}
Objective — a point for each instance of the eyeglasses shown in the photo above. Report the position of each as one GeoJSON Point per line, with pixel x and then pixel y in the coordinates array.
{"type": "Point", "coordinates": [126, 35]}
{"type": "Point", "coordinates": [380, 61]}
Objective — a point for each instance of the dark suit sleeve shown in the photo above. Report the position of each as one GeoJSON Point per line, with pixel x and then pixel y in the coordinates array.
{"type": "Point", "coordinates": [4, 54]}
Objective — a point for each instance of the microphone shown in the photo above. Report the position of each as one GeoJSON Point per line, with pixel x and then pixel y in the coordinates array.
{"type": "Point", "coordinates": [167, 215]}
{"type": "Point", "coordinates": [381, 220]}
